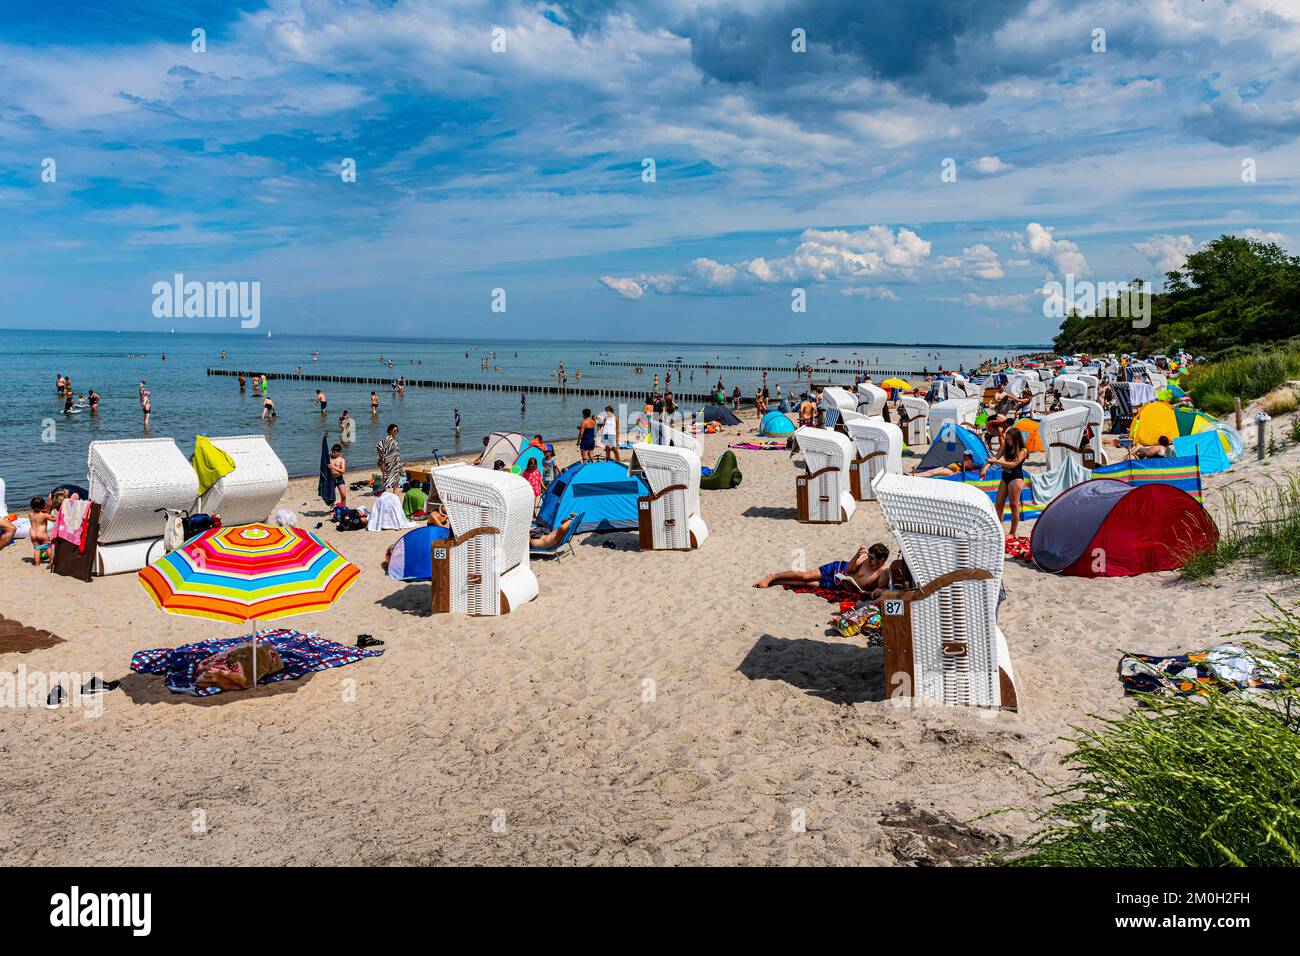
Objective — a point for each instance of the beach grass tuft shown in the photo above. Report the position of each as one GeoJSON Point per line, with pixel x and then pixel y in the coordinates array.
{"type": "Point", "coordinates": [1262, 527]}
{"type": "Point", "coordinates": [1212, 780]}
{"type": "Point", "coordinates": [1214, 387]}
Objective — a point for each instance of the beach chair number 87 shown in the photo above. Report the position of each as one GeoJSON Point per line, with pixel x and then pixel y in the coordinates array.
{"type": "Point", "coordinates": [893, 608]}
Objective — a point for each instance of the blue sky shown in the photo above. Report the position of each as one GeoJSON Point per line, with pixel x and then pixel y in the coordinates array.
{"type": "Point", "coordinates": [522, 169]}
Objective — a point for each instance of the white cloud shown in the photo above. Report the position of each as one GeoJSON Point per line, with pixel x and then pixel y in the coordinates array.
{"type": "Point", "coordinates": [1000, 303]}
{"type": "Point", "coordinates": [1059, 255]}
{"type": "Point", "coordinates": [883, 293]}
{"type": "Point", "coordinates": [627, 288]}
{"type": "Point", "coordinates": [990, 166]}
{"type": "Point", "coordinates": [975, 262]}
{"type": "Point", "coordinates": [822, 255]}
{"type": "Point", "coordinates": [1167, 253]}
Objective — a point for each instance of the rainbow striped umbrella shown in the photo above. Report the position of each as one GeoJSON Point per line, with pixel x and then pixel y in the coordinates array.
{"type": "Point", "coordinates": [249, 572]}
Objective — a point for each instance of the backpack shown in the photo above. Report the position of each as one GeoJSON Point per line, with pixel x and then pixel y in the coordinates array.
{"type": "Point", "coordinates": [351, 520]}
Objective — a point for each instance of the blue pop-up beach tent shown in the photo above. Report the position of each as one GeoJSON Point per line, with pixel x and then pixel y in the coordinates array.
{"type": "Point", "coordinates": [412, 557]}
{"type": "Point", "coordinates": [1208, 447]}
{"type": "Point", "coordinates": [776, 423]}
{"type": "Point", "coordinates": [602, 489]}
{"type": "Point", "coordinates": [948, 446]}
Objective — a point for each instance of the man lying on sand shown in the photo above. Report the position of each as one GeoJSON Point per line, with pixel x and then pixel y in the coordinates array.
{"type": "Point", "coordinates": [868, 569]}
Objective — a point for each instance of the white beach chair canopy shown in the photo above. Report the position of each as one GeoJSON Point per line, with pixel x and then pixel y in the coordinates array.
{"type": "Point", "coordinates": [131, 479]}
{"type": "Point", "coordinates": [253, 489]}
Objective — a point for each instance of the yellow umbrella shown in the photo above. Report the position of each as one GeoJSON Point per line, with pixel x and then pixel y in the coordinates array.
{"type": "Point", "coordinates": [895, 383]}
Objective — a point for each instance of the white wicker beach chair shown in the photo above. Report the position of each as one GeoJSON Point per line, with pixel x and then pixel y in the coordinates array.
{"type": "Point", "coordinates": [668, 519]}
{"type": "Point", "coordinates": [662, 433]}
{"type": "Point", "coordinates": [1062, 436]}
{"type": "Point", "coordinates": [1068, 386]}
{"type": "Point", "coordinates": [941, 640]}
{"type": "Point", "coordinates": [871, 399]}
{"type": "Point", "coordinates": [878, 448]}
{"type": "Point", "coordinates": [839, 408]}
{"type": "Point", "coordinates": [961, 387]}
{"type": "Point", "coordinates": [960, 410]}
{"type": "Point", "coordinates": [918, 418]}
{"type": "Point", "coordinates": [1093, 447]}
{"type": "Point", "coordinates": [822, 493]}
{"type": "Point", "coordinates": [1091, 383]}
{"type": "Point", "coordinates": [1017, 383]}
{"type": "Point", "coordinates": [131, 479]}
{"type": "Point", "coordinates": [483, 568]}
{"type": "Point", "coordinates": [253, 489]}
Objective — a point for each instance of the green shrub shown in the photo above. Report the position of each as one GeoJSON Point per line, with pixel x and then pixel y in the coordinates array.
{"type": "Point", "coordinates": [1212, 780]}
{"type": "Point", "coordinates": [1263, 527]}
{"type": "Point", "coordinates": [1213, 387]}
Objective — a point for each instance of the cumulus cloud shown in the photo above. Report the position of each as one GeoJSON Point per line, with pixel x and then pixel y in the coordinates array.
{"type": "Point", "coordinates": [1059, 256]}
{"type": "Point", "coordinates": [989, 166]}
{"type": "Point", "coordinates": [1167, 253]}
{"type": "Point", "coordinates": [979, 261]}
{"type": "Point", "coordinates": [822, 255]}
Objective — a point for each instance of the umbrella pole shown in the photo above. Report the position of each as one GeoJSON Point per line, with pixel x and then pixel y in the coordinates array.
{"type": "Point", "coordinates": [254, 653]}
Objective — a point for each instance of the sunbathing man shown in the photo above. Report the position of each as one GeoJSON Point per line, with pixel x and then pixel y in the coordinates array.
{"type": "Point", "coordinates": [1163, 448]}
{"type": "Point", "coordinates": [868, 569]}
{"type": "Point", "coordinates": [550, 539]}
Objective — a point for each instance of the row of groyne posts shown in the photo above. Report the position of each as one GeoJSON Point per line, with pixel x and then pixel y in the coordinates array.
{"type": "Point", "coordinates": [561, 390]}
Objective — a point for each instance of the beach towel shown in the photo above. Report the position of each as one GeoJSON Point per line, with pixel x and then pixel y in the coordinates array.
{"type": "Point", "coordinates": [1139, 393]}
{"type": "Point", "coordinates": [387, 514]}
{"type": "Point", "coordinates": [325, 484]}
{"type": "Point", "coordinates": [1052, 482]}
{"type": "Point", "coordinates": [210, 463]}
{"type": "Point", "coordinates": [764, 446]}
{"type": "Point", "coordinates": [70, 524]}
{"type": "Point", "coordinates": [414, 500]}
{"type": "Point", "coordinates": [1222, 668]}
{"type": "Point", "coordinates": [299, 654]}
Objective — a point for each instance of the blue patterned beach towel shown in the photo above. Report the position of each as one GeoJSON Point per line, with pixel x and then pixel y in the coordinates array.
{"type": "Point", "coordinates": [300, 653]}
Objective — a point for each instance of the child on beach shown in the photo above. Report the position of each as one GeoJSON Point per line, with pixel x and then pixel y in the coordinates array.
{"type": "Point", "coordinates": [39, 533]}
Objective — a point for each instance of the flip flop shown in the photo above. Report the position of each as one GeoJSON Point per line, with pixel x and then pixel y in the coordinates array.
{"type": "Point", "coordinates": [57, 696]}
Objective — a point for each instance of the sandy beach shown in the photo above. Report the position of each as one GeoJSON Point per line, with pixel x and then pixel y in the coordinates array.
{"type": "Point", "coordinates": [647, 708]}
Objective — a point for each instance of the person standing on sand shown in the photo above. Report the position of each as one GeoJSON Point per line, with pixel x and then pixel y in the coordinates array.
{"type": "Point", "coordinates": [587, 436]}
{"type": "Point", "coordinates": [609, 434]}
{"type": "Point", "coordinates": [389, 458]}
{"type": "Point", "coordinates": [338, 467]}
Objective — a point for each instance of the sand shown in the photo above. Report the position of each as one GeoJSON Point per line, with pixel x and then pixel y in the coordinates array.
{"type": "Point", "coordinates": [648, 708]}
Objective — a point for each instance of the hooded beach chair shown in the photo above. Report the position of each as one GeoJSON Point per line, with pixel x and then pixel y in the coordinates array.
{"type": "Point", "coordinates": [557, 550]}
{"type": "Point", "coordinates": [822, 493]}
{"type": "Point", "coordinates": [482, 569]}
{"type": "Point", "coordinates": [668, 519]}
{"type": "Point", "coordinates": [133, 480]}
{"type": "Point", "coordinates": [917, 409]}
{"type": "Point", "coordinates": [253, 489]}
{"type": "Point", "coordinates": [1019, 381]}
{"type": "Point", "coordinates": [1068, 386]}
{"type": "Point", "coordinates": [1121, 413]}
{"type": "Point", "coordinates": [662, 433]}
{"type": "Point", "coordinates": [839, 407]}
{"type": "Point", "coordinates": [871, 399]}
{"type": "Point", "coordinates": [941, 639]}
{"type": "Point", "coordinates": [1091, 384]}
{"type": "Point", "coordinates": [878, 448]}
{"type": "Point", "coordinates": [963, 411]}
{"type": "Point", "coordinates": [1062, 436]}
{"type": "Point", "coordinates": [1093, 447]}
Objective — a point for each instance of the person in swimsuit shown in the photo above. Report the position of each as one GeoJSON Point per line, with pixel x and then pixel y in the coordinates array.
{"type": "Point", "coordinates": [338, 474]}
{"type": "Point", "coordinates": [1012, 461]}
{"type": "Point", "coordinates": [146, 406]}
{"type": "Point", "coordinates": [587, 436]}
{"type": "Point", "coordinates": [320, 397]}
{"type": "Point", "coordinates": [868, 569]}
{"type": "Point", "coordinates": [374, 404]}
{"type": "Point", "coordinates": [609, 434]}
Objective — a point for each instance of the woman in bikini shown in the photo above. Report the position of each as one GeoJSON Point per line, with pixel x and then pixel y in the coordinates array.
{"type": "Point", "coordinates": [1012, 462]}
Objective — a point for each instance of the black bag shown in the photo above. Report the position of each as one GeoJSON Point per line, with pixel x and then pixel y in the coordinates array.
{"type": "Point", "coordinates": [196, 524]}
{"type": "Point", "coordinates": [351, 520]}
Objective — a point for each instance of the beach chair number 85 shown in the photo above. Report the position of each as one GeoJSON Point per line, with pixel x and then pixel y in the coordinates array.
{"type": "Point", "coordinates": [893, 608]}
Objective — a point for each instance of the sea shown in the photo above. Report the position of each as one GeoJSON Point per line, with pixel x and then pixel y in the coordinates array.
{"type": "Point", "coordinates": [41, 447]}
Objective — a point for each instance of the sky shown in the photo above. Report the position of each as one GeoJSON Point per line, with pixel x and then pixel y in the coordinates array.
{"type": "Point", "coordinates": [911, 171]}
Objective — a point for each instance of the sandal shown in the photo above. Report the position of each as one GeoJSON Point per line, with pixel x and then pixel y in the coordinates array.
{"type": "Point", "coordinates": [366, 640]}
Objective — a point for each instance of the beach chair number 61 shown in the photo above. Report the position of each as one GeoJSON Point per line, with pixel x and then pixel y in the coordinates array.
{"type": "Point", "coordinates": [893, 608]}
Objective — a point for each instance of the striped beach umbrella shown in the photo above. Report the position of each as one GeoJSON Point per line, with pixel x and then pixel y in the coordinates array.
{"type": "Point", "coordinates": [249, 573]}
